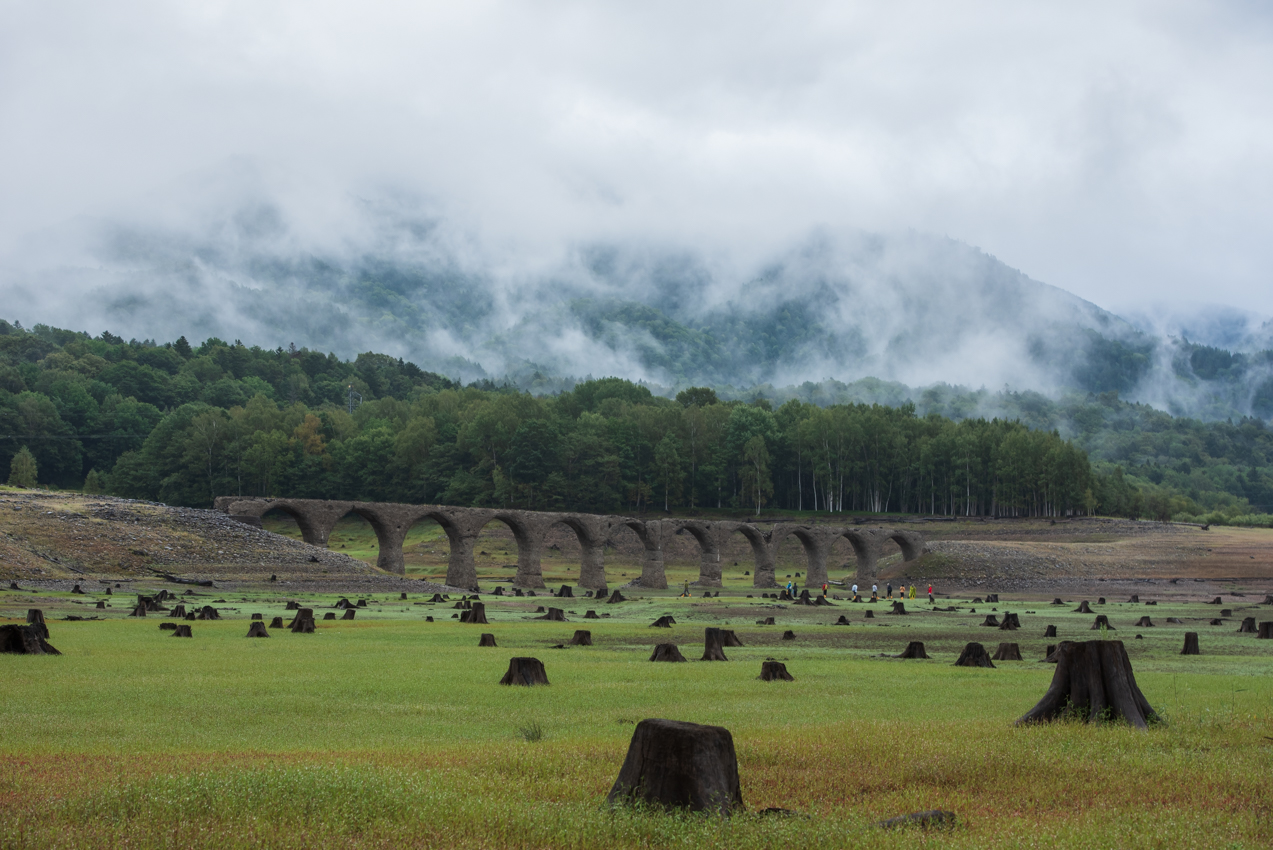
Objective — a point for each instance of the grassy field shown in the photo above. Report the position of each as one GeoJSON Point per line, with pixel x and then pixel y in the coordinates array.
{"type": "Point", "coordinates": [389, 731]}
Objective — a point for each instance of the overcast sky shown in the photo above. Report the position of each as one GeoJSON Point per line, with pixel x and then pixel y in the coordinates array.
{"type": "Point", "coordinates": [1119, 151]}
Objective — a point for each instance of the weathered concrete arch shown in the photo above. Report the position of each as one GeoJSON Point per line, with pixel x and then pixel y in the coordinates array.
{"type": "Point", "coordinates": [391, 522]}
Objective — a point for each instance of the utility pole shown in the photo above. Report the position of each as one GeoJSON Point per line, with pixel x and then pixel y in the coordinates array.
{"type": "Point", "coordinates": [354, 394]}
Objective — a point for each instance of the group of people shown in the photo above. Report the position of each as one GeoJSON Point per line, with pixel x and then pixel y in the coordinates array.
{"type": "Point", "coordinates": [903, 593]}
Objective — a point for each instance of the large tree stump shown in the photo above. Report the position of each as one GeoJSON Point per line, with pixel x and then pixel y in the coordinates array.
{"type": "Point", "coordinates": [1265, 631]}
{"type": "Point", "coordinates": [868, 614]}
{"type": "Point", "coordinates": [713, 645]}
{"type": "Point", "coordinates": [487, 639]}
{"type": "Point", "coordinates": [565, 592]}
{"type": "Point", "coordinates": [615, 597]}
{"type": "Point", "coordinates": [991, 620]}
{"type": "Point", "coordinates": [774, 671]}
{"type": "Point", "coordinates": [666, 652]}
{"type": "Point", "coordinates": [1101, 620]}
{"type": "Point", "coordinates": [1083, 608]}
{"type": "Point", "coordinates": [257, 629]}
{"type": "Point", "coordinates": [1093, 681]}
{"type": "Point", "coordinates": [330, 615]}
{"type": "Point", "coordinates": [680, 765]}
{"type": "Point", "coordinates": [303, 622]}
{"type": "Point", "coordinates": [914, 649]}
{"type": "Point", "coordinates": [1008, 652]}
{"type": "Point", "coordinates": [590, 615]}
{"type": "Point", "coordinates": [582, 637]}
{"type": "Point", "coordinates": [25, 640]}
{"type": "Point", "coordinates": [555, 615]}
{"type": "Point", "coordinates": [207, 612]}
{"type": "Point", "coordinates": [974, 655]}
{"type": "Point", "coordinates": [476, 614]}
{"type": "Point", "coordinates": [182, 631]}
{"type": "Point", "coordinates": [35, 617]}
{"type": "Point", "coordinates": [348, 615]}
{"type": "Point", "coordinates": [1050, 631]}
{"type": "Point", "coordinates": [276, 623]}
{"type": "Point", "coordinates": [1191, 644]}
{"type": "Point", "coordinates": [664, 622]}
{"type": "Point", "coordinates": [898, 608]}
{"type": "Point", "coordinates": [342, 603]}
{"type": "Point", "coordinates": [1010, 622]}
{"type": "Point", "coordinates": [1248, 626]}
{"type": "Point", "coordinates": [728, 638]}
{"type": "Point", "coordinates": [525, 671]}
{"type": "Point", "coordinates": [1144, 623]}
{"type": "Point", "coordinates": [437, 597]}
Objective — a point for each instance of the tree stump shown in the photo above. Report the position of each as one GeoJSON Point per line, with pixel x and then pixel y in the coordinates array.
{"type": "Point", "coordinates": [615, 597]}
{"type": "Point", "coordinates": [303, 623]}
{"type": "Point", "coordinates": [898, 608]}
{"type": "Point", "coordinates": [167, 627]}
{"type": "Point", "coordinates": [437, 597]}
{"type": "Point", "coordinates": [1268, 600]}
{"type": "Point", "coordinates": [1083, 608]}
{"type": "Point", "coordinates": [977, 601]}
{"type": "Point", "coordinates": [788, 635]}
{"type": "Point", "coordinates": [25, 640]}
{"type": "Point", "coordinates": [1176, 620]}
{"type": "Point", "coordinates": [767, 621]}
{"type": "Point", "coordinates": [728, 638]}
{"type": "Point", "coordinates": [539, 609]}
{"type": "Point", "coordinates": [256, 617]}
{"type": "Point", "coordinates": [257, 629]}
{"type": "Point", "coordinates": [1226, 612]}
{"type": "Point", "coordinates": [1134, 598]}
{"type": "Point", "coordinates": [292, 606]}
{"type": "Point", "coordinates": [1248, 626]}
{"type": "Point", "coordinates": [342, 603]}
{"type": "Point", "coordinates": [207, 612]}
{"type": "Point", "coordinates": [1265, 631]}
{"type": "Point", "coordinates": [974, 655]}
{"type": "Point", "coordinates": [1216, 622]}
{"type": "Point", "coordinates": [843, 621]}
{"type": "Point", "coordinates": [499, 591]}
{"type": "Point", "coordinates": [1144, 623]}
{"type": "Point", "coordinates": [525, 671]}
{"type": "Point", "coordinates": [1008, 652]}
{"type": "Point", "coordinates": [101, 603]}
{"type": "Point", "coordinates": [1152, 602]}
{"type": "Point", "coordinates": [428, 619]}
{"type": "Point", "coordinates": [1050, 631]}
{"type": "Point", "coordinates": [277, 623]}
{"type": "Point", "coordinates": [590, 615]}
{"type": "Point", "coordinates": [582, 637]}
{"type": "Point", "coordinates": [675, 765]}
{"type": "Point", "coordinates": [1093, 681]}
{"type": "Point", "coordinates": [565, 592]}
{"type": "Point", "coordinates": [664, 622]}
{"type": "Point", "coordinates": [991, 620]}
{"type": "Point", "coordinates": [713, 645]}
{"type": "Point", "coordinates": [1216, 601]}
{"type": "Point", "coordinates": [182, 631]}
{"type": "Point", "coordinates": [1100, 600]}
{"type": "Point", "coordinates": [555, 615]}
{"type": "Point", "coordinates": [349, 614]}
{"type": "Point", "coordinates": [1010, 622]}
{"type": "Point", "coordinates": [487, 639]}
{"type": "Point", "coordinates": [1102, 620]}
{"type": "Point", "coordinates": [330, 615]}
{"type": "Point", "coordinates": [1057, 601]}
{"type": "Point", "coordinates": [476, 614]}
{"type": "Point", "coordinates": [869, 615]}
{"type": "Point", "coordinates": [1191, 644]}
{"type": "Point", "coordinates": [666, 652]}
{"type": "Point", "coordinates": [191, 616]}
{"type": "Point", "coordinates": [13, 585]}
{"type": "Point", "coordinates": [1049, 656]}
{"type": "Point", "coordinates": [914, 649]}
{"type": "Point", "coordinates": [774, 671]}
{"type": "Point", "coordinates": [992, 597]}
{"type": "Point", "coordinates": [403, 595]}
{"type": "Point", "coordinates": [139, 611]}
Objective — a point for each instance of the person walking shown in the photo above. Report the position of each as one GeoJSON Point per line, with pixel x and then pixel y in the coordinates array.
{"type": "Point", "coordinates": [890, 590]}
{"type": "Point", "coordinates": [912, 592]}
{"type": "Point", "coordinates": [824, 588]}
{"type": "Point", "coordinates": [791, 590]}
{"type": "Point", "coordinates": [930, 593]}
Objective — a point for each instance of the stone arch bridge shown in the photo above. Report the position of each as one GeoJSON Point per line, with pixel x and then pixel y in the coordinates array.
{"type": "Point", "coordinates": [391, 523]}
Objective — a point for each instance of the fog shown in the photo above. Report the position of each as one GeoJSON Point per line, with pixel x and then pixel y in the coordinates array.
{"type": "Point", "coordinates": [244, 169]}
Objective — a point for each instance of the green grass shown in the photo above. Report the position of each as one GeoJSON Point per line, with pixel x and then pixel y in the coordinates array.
{"type": "Point", "coordinates": [391, 731]}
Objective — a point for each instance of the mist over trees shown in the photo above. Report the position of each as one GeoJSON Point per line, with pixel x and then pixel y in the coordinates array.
{"type": "Point", "coordinates": [182, 424]}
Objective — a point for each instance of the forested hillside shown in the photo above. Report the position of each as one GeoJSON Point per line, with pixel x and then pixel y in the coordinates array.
{"type": "Point", "coordinates": [182, 424]}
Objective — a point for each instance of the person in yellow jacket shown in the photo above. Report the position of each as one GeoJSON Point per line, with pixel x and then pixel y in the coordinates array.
{"type": "Point", "coordinates": [912, 591]}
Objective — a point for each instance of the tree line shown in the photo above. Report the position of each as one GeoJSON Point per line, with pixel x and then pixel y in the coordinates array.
{"type": "Point", "coordinates": [182, 424]}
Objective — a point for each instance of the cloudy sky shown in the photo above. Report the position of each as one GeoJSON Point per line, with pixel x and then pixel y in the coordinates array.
{"type": "Point", "coordinates": [1121, 151]}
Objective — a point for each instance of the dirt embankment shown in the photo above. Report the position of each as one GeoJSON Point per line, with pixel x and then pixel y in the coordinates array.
{"type": "Point", "coordinates": [52, 536]}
